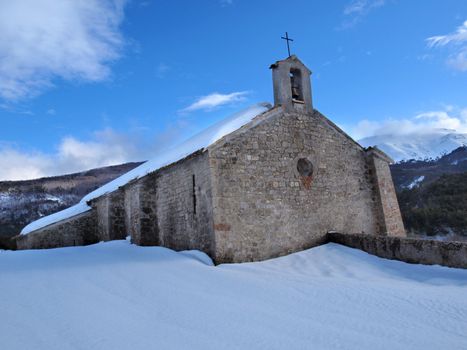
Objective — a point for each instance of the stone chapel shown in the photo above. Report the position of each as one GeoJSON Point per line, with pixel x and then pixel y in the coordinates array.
{"type": "Point", "coordinates": [276, 184]}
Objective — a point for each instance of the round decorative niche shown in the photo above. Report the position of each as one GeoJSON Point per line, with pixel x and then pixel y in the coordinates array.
{"type": "Point", "coordinates": [304, 167]}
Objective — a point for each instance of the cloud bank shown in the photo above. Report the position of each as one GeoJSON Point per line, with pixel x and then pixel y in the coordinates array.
{"type": "Point", "coordinates": [103, 148]}
{"type": "Point", "coordinates": [42, 40]}
{"type": "Point", "coordinates": [109, 147]}
{"type": "Point", "coordinates": [215, 100]}
{"type": "Point", "coordinates": [450, 119]}
{"type": "Point", "coordinates": [457, 43]}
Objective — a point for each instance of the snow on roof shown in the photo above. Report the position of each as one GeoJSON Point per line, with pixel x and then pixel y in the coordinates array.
{"type": "Point", "coordinates": [197, 142]}
{"type": "Point", "coordinates": [56, 217]}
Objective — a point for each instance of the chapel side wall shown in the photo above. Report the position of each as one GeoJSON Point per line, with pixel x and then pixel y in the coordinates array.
{"type": "Point", "coordinates": [110, 210]}
{"type": "Point", "coordinates": [141, 210]}
{"type": "Point", "coordinates": [76, 231]}
{"type": "Point", "coordinates": [391, 218]}
{"type": "Point", "coordinates": [263, 208]}
{"type": "Point", "coordinates": [184, 211]}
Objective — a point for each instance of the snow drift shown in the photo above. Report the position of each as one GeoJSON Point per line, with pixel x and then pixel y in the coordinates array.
{"type": "Point", "coordinates": [116, 295]}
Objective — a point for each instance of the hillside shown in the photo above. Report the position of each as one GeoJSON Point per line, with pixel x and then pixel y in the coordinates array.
{"type": "Point", "coordinates": [413, 173]}
{"type": "Point", "coordinates": [432, 195]}
{"type": "Point", "coordinates": [24, 201]}
{"type": "Point", "coordinates": [437, 208]}
{"type": "Point", "coordinates": [116, 295]}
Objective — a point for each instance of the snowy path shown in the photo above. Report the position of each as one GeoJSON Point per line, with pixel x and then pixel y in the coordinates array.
{"type": "Point", "coordinates": [119, 296]}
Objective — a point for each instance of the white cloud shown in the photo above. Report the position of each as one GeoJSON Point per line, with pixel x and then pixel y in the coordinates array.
{"type": "Point", "coordinates": [41, 40]}
{"type": "Point", "coordinates": [449, 119]}
{"type": "Point", "coordinates": [357, 9]}
{"type": "Point", "coordinates": [457, 41]}
{"type": "Point", "coordinates": [459, 36]}
{"type": "Point", "coordinates": [214, 100]}
{"type": "Point", "coordinates": [17, 165]}
{"type": "Point", "coordinates": [103, 148]}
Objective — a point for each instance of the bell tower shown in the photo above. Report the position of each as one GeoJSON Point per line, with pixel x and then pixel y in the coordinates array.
{"type": "Point", "coordinates": [292, 85]}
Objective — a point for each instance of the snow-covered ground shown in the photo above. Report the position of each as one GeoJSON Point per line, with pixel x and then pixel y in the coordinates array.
{"type": "Point", "coordinates": [119, 296]}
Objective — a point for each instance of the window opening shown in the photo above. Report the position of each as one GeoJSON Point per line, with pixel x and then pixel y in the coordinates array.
{"type": "Point", "coordinates": [194, 194]}
{"type": "Point", "coordinates": [304, 167]}
{"type": "Point", "coordinates": [296, 84]}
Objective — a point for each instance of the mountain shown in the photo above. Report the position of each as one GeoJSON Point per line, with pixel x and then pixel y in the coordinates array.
{"type": "Point", "coordinates": [22, 202]}
{"type": "Point", "coordinates": [432, 195]}
{"type": "Point", "coordinates": [413, 173]}
{"type": "Point", "coordinates": [417, 146]}
{"type": "Point", "coordinates": [438, 208]}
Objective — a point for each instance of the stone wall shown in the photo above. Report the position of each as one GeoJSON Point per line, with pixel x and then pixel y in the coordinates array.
{"type": "Point", "coordinates": [110, 211]}
{"type": "Point", "coordinates": [263, 206]}
{"type": "Point", "coordinates": [171, 207]}
{"type": "Point", "coordinates": [281, 72]}
{"type": "Point", "coordinates": [141, 210]}
{"type": "Point", "coordinates": [184, 205]}
{"type": "Point", "coordinates": [415, 251]}
{"type": "Point", "coordinates": [76, 231]}
{"type": "Point", "coordinates": [390, 218]}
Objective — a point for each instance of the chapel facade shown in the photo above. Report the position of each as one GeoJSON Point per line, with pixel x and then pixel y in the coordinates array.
{"type": "Point", "coordinates": [274, 186]}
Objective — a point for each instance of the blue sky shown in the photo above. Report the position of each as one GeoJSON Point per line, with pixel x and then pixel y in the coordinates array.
{"type": "Point", "coordinates": [98, 82]}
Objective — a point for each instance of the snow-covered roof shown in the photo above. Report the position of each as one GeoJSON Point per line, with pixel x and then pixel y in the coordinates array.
{"type": "Point", "coordinates": [197, 142]}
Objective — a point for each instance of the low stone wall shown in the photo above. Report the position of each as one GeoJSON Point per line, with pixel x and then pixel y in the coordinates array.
{"type": "Point", "coordinates": [76, 231]}
{"type": "Point", "coordinates": [410, 250]}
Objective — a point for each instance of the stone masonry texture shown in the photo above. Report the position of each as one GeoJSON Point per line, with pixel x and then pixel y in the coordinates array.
{"type": "Point", "coordinates": [140, 211]}
{"type": "Point", "coordinates": [264, 208]}
{"type": "Point", "coordinates": [110, 216]}
{"type": "Point", "coordinates": [184, 205]}
{"type": "Point", "coordinates": [389, 213]}
{"type": "Point", "coordinates": [78, 230]}
{"type": "Point", "coordinates": [415, 251]}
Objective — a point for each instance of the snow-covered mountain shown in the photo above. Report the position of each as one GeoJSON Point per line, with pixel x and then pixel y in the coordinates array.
{"type": "Point", "coordinates": [432, 193]}
{"type": "Point", "coordinates": [414, 173]}
{"type": "Point", "coordinates": [417, 146]}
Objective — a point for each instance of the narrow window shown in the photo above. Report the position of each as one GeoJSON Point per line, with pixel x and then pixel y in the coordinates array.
{"type": "Point", "coordinates": [194, 194]}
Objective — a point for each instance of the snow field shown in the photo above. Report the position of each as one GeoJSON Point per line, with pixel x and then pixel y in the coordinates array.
{"type": "Point", "coordinates": [116, 295]}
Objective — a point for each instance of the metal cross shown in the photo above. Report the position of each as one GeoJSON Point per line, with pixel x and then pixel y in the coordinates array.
{"type": "Point", "coordinates": [287, 39]}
